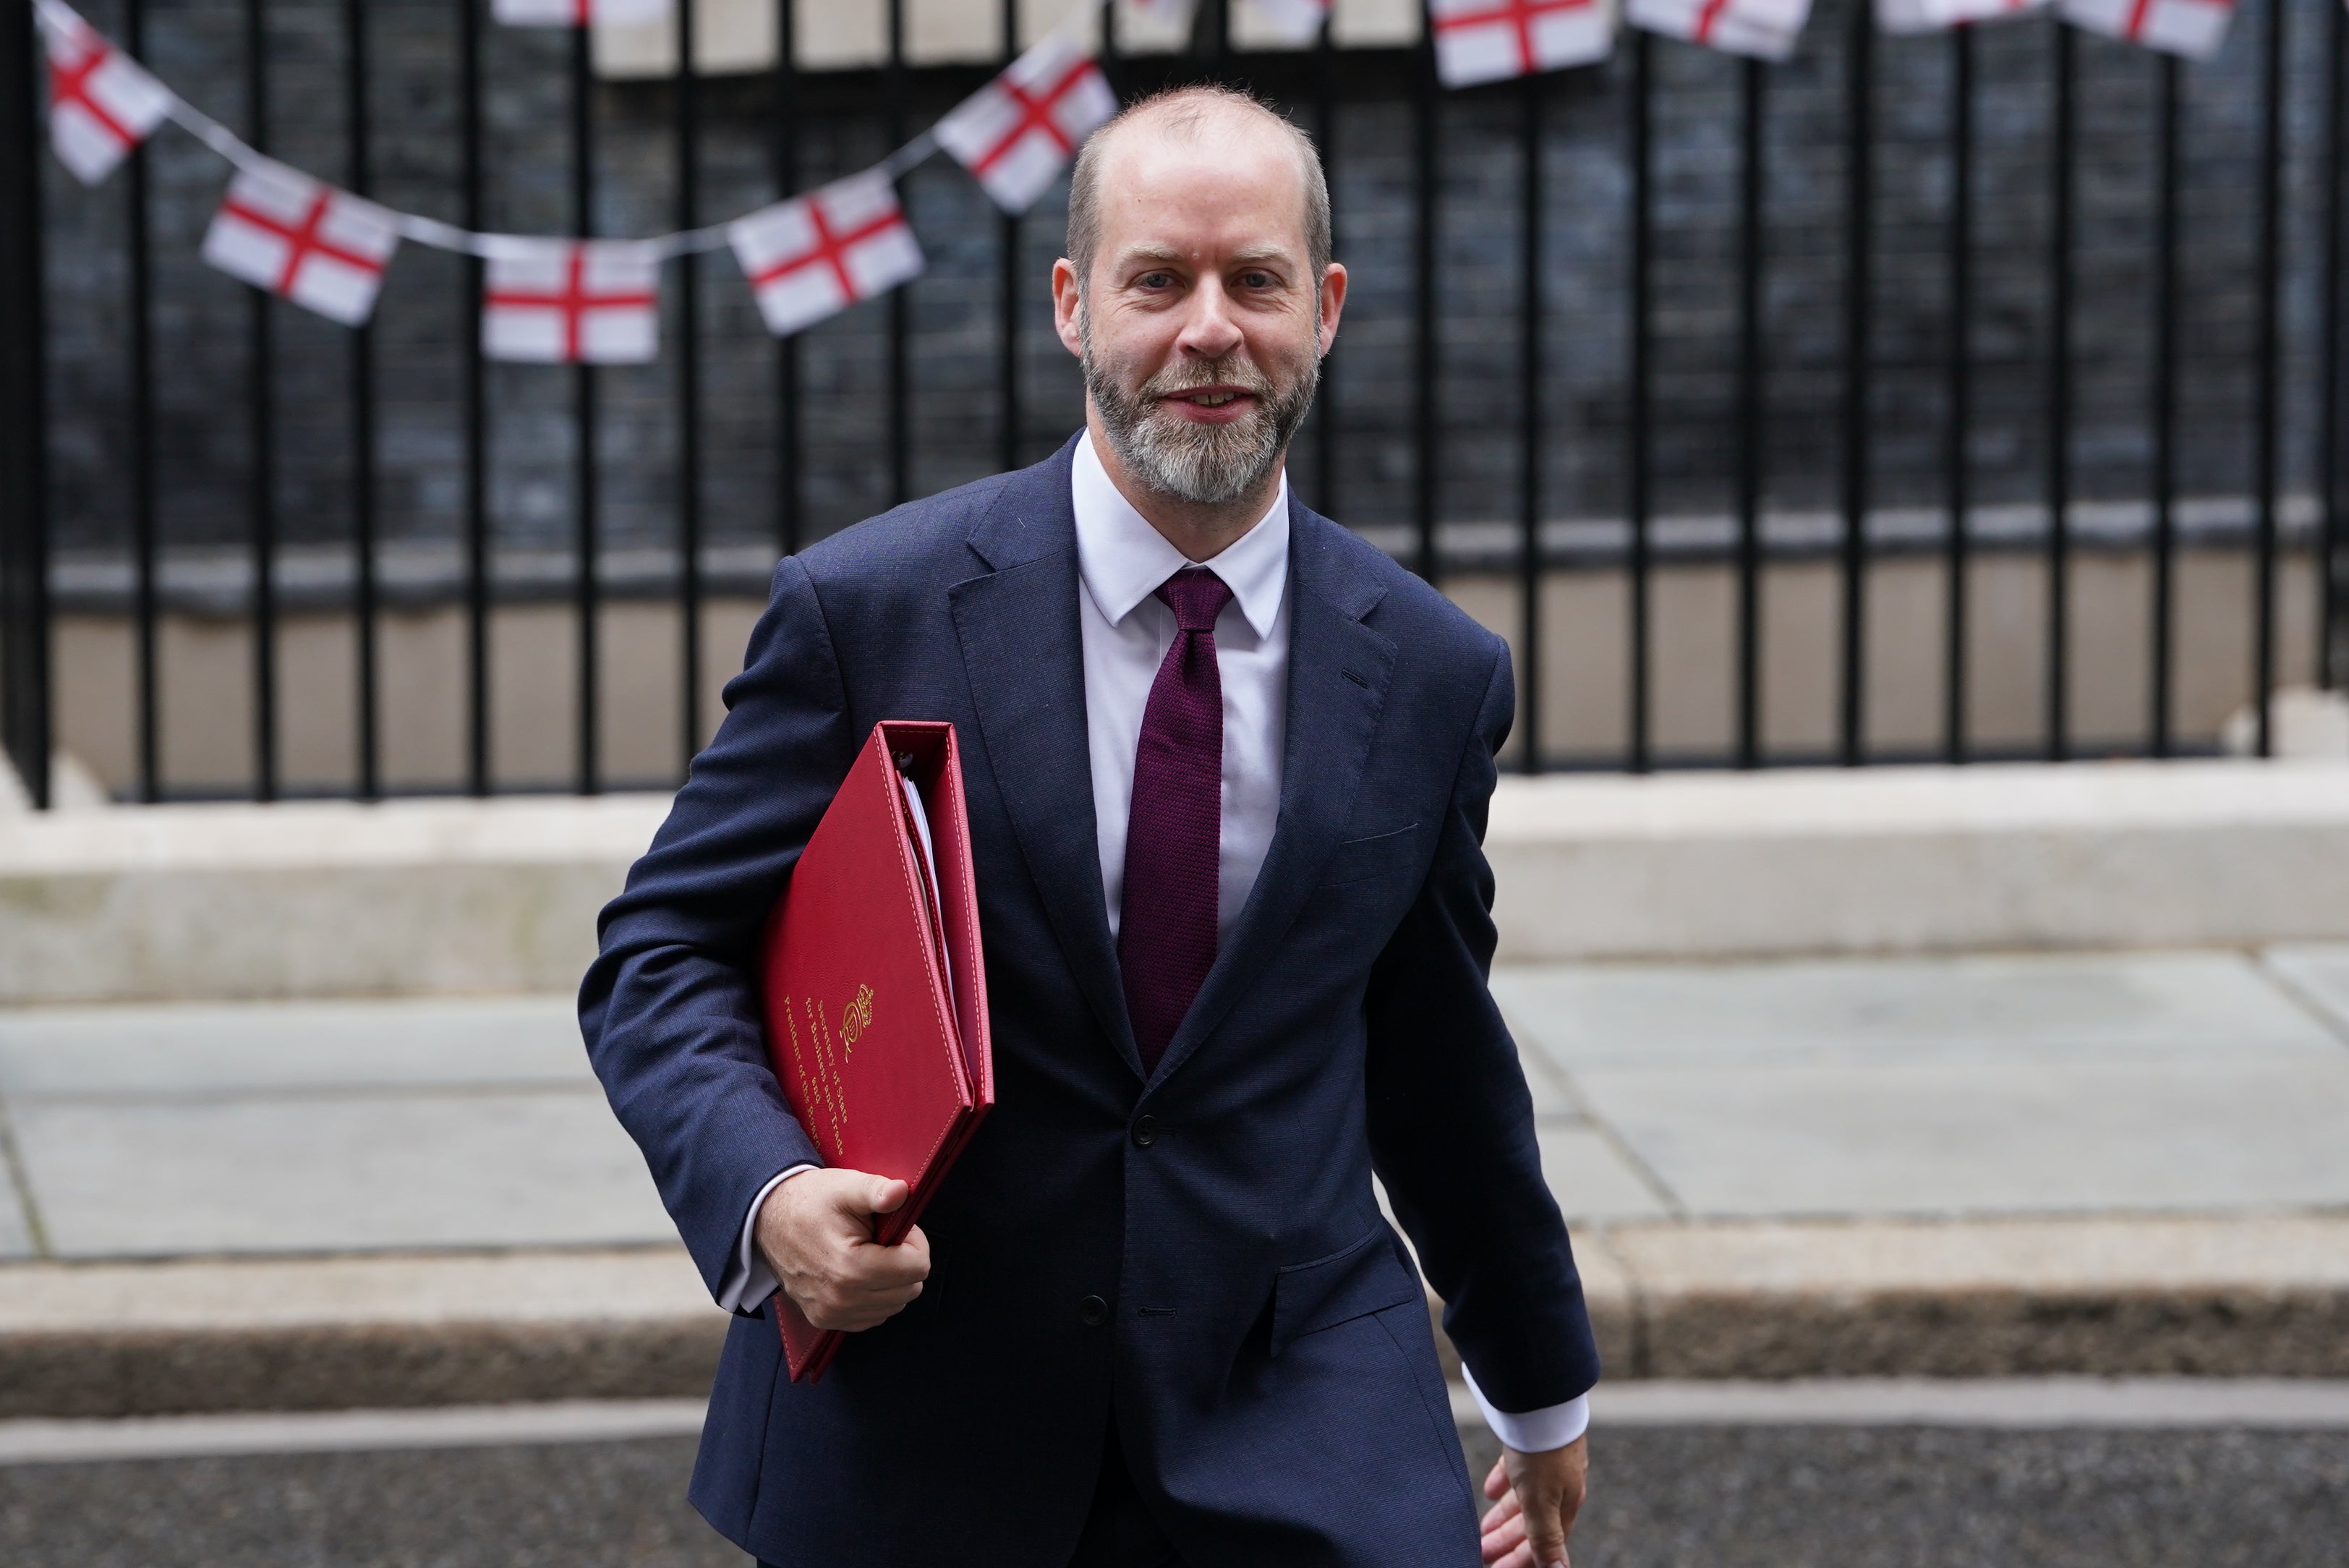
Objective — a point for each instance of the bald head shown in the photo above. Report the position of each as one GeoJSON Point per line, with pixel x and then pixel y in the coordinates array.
{"type": "Point", "coordinates": [1195, 115]}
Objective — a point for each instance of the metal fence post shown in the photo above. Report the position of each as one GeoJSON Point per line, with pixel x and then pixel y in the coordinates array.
{"type": "Point", "coordinates": [24, 477]}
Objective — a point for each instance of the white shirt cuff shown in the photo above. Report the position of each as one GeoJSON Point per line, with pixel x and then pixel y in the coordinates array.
{"type": "Point", "coordinates": [1534, 1431]}
{"type": "Point", "coordinates": [748, 1281]}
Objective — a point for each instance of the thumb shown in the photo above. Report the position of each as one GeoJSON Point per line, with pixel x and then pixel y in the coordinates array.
{"type": "Point", "coordinates": [1545, 1534]}
{"type": "Point", "coordinates": [886, 1194]}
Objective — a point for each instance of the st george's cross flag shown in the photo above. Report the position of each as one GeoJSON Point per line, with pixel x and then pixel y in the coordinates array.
{"type": "Point", "coordinates": [1764, 29]}
{"type": "Point", "coordinates": [2195, 28]}
{"type": "Point", "coordinates": [1293, 21]}
{"type": "Point", "coordinates": [587, 302]}
{"type": "Point", "coordinates": [324, 249]}
{"type": "Point", "coordinates": [101, 103]}
{"type": "Point", "coordinates": [1486, 40]}
{"type": "Point", "coordinates": [817, 254]}
{"type": "Point", "coordinates": [578, 13]}
{"type": "Point", "coordinates": [1016, 134]}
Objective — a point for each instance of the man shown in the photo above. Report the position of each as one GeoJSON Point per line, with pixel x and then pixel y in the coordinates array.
{"type": "Point", "coordinates": [1227, 770]}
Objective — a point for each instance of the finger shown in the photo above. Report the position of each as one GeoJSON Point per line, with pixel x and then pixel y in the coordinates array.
{"type": "Point", "coordinates": [1496, 1483]}
{"type": "Point", "coordinates": [885, 1195]}
{"type": "Point", "coordinates": [1502, 1511]}
{"type": "Point", "coordinates": [1499, 1542]}
{"type": "Point", "coordinates": [870, 1268]}
{"type": "Point", "coordinates": [1543, 1534]}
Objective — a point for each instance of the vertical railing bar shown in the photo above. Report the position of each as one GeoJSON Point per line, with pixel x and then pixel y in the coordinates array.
{"type": "Point", "coordinates": [1425, 366]}
{"type": "Point", "coordinates": [145, 654]}
{"type": "Point", "coordinates": [1529, 423]}
{"type": "Point", "coordinates": [688, 392]}
{"type": "Point", "coordinates": [2328, 445]}
{"type": "Point", "coordinates": [589, 608]}
{"type": "Point", "coordinates": [1325, 138]}
{"type": "Point", "coordinates": [261, 400]}
{"type": "Point", "coordinates": [1008, 370]}
{"type": "Point", "coordinates": [368, 747]}
{"type": "Point", "coordinates": [2166, 304]}
{"type": "Point", "coordinates": [25, 711]}
{"type": "Point", "coordinates": [2267, 415]}
{"type": "Point", "coordinates": [1957, 471]}
{"type": "Point", "coordinates": [1111, 62]}
{"type": "Point", "coordinates": [785, 110]}
{"type": "Point", "coordinates": [473, 373]}
{"type": "Point", "coordinates": [2059, 406]}
{"type": "Point", "coordinates": [1754, 80]}
{"type": "Point", "coordinates": [900, 298]}
{"type": "Point", "coordinates": [1858, 283]}
{"type": "Point", "coordinates": [1636, 413]}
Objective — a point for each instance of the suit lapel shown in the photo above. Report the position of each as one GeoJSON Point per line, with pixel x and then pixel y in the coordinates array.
{"type": "Point", "coordinates": [1338, 671]}
{"type": "Point", "coordinates": [1025, 657]}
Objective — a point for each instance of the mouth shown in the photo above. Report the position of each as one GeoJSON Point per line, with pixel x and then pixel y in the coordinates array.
{"type": "Point", "coordinates": [1211, 405]}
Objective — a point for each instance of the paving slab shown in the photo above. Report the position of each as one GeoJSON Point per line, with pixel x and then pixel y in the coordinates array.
{"type": "Point", "coordinates": [1592, 1180]}
{"type": "Point", "coordinates": [311, 1173]}
{"type": "Point", "coordinates": [2318, 973]}
{"type": "Point", "coordinates": [216, 1048]}
{"type": "Point", "coordinates": [1942, 1137]}
{"type": "Point", "coordinates": [15, 1234]}
{"type": "Point", "coordinates": [2037, 1006]}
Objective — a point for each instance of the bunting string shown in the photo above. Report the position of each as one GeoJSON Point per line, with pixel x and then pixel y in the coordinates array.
{"type": "Point", "coordinates": [814, 254]}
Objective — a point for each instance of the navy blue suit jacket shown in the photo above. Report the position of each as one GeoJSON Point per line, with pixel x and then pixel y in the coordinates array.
{"type": "Point", "coordinates": [1266, 1354]}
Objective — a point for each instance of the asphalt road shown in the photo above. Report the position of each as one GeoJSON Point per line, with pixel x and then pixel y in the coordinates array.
{"type": "Point", "coordinates": [1748, 1497]}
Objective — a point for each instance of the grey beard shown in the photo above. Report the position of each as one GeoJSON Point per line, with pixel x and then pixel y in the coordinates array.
{"type": "Point", "coordinates": [1206, 465]}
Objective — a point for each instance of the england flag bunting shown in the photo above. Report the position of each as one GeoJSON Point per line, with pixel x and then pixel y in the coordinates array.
{"type": "Point", "coordinates": [817, 254]}
{"type": "Point", "coordinates": [1765, 30]}
{"type": "Point", "coordinates": [578, 13]}
{"type": "Point", "coordinates": [1294, 22]}
{"type": "Point", "coordinates": [1016, 134]}
{"type": "Point", "coordinates": [1486, 40]}
{"type": "Point", "coordinates": [592, 302]}
{"type": "Point", "coordinates": [322, 248]}
{"type": "Point", "coordinates": [2194, 28]}
{"type": "Point", "coordinates": [101, 103]}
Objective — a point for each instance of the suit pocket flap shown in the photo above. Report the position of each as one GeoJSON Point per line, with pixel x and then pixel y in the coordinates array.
{"type": "Point", "coordinates": [1367, 1276]}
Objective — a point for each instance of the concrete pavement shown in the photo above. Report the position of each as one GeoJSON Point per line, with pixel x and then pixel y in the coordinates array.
{"type": "Point", "coordinates": [1972, 1166]}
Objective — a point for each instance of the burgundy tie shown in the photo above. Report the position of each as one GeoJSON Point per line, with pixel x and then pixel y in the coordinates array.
{"type": "Point", "coordinates": [1167, 926]}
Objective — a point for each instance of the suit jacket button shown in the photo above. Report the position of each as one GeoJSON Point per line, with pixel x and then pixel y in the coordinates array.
{"type": "Point", "coordinates": [1093, 1311]}
{"type": "Point", "coordinates": [1145, 1132]}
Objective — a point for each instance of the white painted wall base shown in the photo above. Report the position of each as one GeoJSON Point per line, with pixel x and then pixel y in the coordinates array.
{"type": "Point", "coordinates": [2099, 855]}
{"type": "Point", "coordinates": [453, 896]}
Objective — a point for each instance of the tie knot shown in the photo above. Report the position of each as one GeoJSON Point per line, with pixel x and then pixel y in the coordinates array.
{"type": "Point", "coordinates": [1196, 596]}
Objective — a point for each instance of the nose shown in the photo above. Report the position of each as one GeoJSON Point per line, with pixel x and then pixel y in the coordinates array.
{"type": "Point", "coordinates": [1210, 332]}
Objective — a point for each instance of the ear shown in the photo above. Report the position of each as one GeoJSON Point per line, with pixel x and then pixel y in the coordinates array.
{"type": "Point", "coordinates": [1067, 302]}
{"type": "Point", "coordinates": [1333, 302]}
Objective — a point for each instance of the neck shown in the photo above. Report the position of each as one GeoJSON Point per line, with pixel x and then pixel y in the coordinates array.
{"type": "Point", "coordinates": [1201, 532]}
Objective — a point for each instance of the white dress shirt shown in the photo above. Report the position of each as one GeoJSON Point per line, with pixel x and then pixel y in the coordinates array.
{"type": "Point", "coordinates": [1121, 559]}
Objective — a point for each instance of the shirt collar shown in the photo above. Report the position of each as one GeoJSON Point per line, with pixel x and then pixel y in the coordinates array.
{"type": "Point", "coordinates": [1123, 560]}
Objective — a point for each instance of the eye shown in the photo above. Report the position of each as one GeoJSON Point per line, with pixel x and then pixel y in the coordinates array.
{"type": "Point", "coordinates": [1155, 280]}
{"type": "Point", "coordinates": [1255, 280]}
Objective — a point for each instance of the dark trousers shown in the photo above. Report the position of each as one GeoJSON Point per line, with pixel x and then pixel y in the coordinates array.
{"type": "Point", "coordinates": [1119, 1531]}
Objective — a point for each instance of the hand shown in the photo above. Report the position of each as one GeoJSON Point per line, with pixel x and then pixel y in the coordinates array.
{"type": "Point", "coordinates": [1535, 1498]}
{"type": "Point", "coordinates": [815, 1232]}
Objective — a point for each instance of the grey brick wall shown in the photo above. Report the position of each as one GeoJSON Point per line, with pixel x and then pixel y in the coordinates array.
{"type": "Point", "coordinates": [200, 318]}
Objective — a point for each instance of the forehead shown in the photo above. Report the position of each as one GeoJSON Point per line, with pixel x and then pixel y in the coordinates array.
{"type": "Point", "coordinates": [1230, 182]}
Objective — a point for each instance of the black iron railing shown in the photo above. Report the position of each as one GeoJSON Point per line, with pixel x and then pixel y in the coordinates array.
{"type": "Point", "coordinates": [1399, 340]}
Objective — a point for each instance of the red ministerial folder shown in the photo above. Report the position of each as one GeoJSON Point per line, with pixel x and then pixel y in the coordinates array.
{"type": "Point", "coordinates": [875, 989]}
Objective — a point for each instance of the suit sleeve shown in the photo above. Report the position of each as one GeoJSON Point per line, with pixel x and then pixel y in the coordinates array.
{"type": "Point", "coordinates": [1452, 1127]}
{"type": "Point", "coordinates": [670, 1008]}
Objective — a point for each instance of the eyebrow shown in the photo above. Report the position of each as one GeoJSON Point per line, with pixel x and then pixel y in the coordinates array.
{"type": "Point", "coordinates": [1167, 255]}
